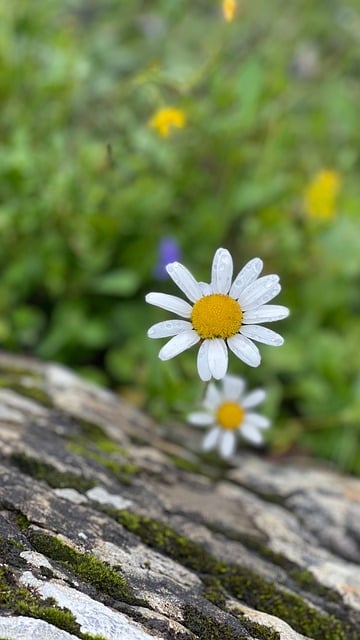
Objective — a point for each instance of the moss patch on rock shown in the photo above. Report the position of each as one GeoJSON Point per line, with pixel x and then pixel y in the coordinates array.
{"type": "Point", "coordinates": [52, 476]}
{"type": "Point", "coordinates": [121, 471]}
{"type": "Point", "coordinates": [93, 443]}
{"type": "Point", "coordinates": [301, 577]}
{"type": "Point", "coordinates": [24, 602]}
{"type": "Point", "coordinates": [241, 582]}
{"type": "Point", "coordinates": [214, 591]}
{"type": "Point", "coordinates": [205, 627]}
{"type": "Point", "coordinates": [22, 521]}
{"type": "Point", "coordinates": [94, 434]}
{"type": "Point", "coordinates": [85, 566]}
{"type": "Point", "coordinates": [257, 630]}
{"type": "Point", "coordinates": [33, 393]}
{"type": "Point", "coordinates": [25, 383]}
{"type": "Point", "coordinates": [10, 550]}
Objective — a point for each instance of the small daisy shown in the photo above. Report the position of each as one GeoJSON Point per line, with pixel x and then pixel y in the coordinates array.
{"type": "Point", "coordinates": [228, 412]}
{"type": "Point", "coordinates": [224, 314]}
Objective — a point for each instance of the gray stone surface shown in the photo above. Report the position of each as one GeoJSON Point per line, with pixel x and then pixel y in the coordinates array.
{"type": "Point", "coordinates": [21, 627]}
{"type": "Point", "coordinates": [257, 549]}
{"type": "Point", "coordinates": [92, 616]}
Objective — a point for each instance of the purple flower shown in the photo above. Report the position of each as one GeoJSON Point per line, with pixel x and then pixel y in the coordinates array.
{"type": "Point", "coordinates": [168, 251]}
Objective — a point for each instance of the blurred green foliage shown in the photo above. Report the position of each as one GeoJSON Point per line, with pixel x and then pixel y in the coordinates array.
{"type": "Point", "coordinates": [88, 190]}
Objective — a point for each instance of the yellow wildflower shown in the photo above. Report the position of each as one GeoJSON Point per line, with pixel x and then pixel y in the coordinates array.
{"type": "Point", "coordinates": [166, 118]}
{"type": "Point", "coordinates": [321, 194]}
{"type": "Point", "coordinates": [229, 9]}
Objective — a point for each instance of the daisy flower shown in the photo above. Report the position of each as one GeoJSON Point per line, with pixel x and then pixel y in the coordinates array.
{"type": "Point", "coordinates": [228, 412]}
{"type": "Point", "coordinates": [223, 314]}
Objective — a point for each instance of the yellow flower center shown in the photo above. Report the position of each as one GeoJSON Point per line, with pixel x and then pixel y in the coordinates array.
{"type": "Point", "coordinates": [216, 316]}
{"type": "Point", "coordinates": [230, 415]}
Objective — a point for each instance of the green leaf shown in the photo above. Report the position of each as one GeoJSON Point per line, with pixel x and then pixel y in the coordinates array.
{"type": "Point", "coordinates": [120, 282]}
{"type": "Point", "coordinates": [249, 89]}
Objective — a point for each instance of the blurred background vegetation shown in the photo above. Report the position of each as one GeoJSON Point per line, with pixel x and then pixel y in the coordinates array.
{"type": "Point", "coordinates": [90, 186]}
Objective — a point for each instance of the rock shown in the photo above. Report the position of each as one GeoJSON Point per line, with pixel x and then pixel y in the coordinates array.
{"type": "Point", "coordinates": [23, 627]}
{"type": "Point", "coordinates": [114, 527]}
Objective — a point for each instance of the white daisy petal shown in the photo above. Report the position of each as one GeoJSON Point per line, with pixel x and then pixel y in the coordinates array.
{"type": "Point", "coordinates": [262, 334]}
{"type": "Point", "coordinates": [227, 444]}
{"type": "Point", "coordinates": [266, 313]}
{"type": "Point", "coordinates": [184, 280]}
{"type": "Point", "coordinates": [257, 420]}
{"type": "Point", "coordinates": [251, 433]}
{"type": "Point", "coordinates": [205, 288]}
{"type": "Point", "coordinates": [200, 419]}
{"type": "Point", "coordinates": [254, 398]}
{"type": "Point", "coordinates": [259, 292]}
{"type": "Point", "coordinates": [245, 350]}
{"type": "Point", "coordinates": [169, 303]}
{"type": "Point", "coordinates": [221, 272]}
{"type": "Point", "coordinates": [217, 357]}
{"type": "Point", "coordinates": [212, 397]}
{"type": "Point", "coordinates": [211, 439]}
{"type": "Point", "coordinates": [178, 344]}
{"type": "Point", "coordinates": [233, 387]}
{"type": "Point", "coordinates": [203, 362]}
{"type": "Point", "coordinates": [248, 274]}
{"type": "Point", "coordinates": [168, 328]}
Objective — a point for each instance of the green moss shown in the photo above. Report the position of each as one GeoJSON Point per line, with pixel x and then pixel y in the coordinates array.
{"type": "Point", "coordinates": [54, 478]}
{"type": "Point", "coordinates": [11, 379]}
{"type": "Point", "coordinates": [161, 537]}
{"type": "Point", "coordinates": [21, 601]}
{"type": "Point", "coordinates": [306, 581]}
{"type": "Point", "coordinates": [22, 521]}
{"type": "Point", "coordinates": [10, 370]}
{"type": "Point", "coordinates": [213, 591]}
{"type": "Point", "coordinates": [261, 595]}
{"type": "Point", "coordinates": [92, 443]}
{"type": "Point", "coordinates": [300, 576]}
{"type": "Point", "coordinates": [257, 630]}
{"type": "Point", "coordinates": [122, 471]}
{"type": "Point", "coordinates": [94, 434]}
{"type": "Point", "coordinates": [34, 393]}
{"type": "Point", "coordinates": [185, 465]}
{"type": "Point", "coordinates": [241, 582]}
{"type": "Point", "coordinates": [10, 550]}
{"type": "Point", "coordinates": [15, 544]}
{"type": "Point", "coordinates": [207, 628]}
{"type": "Point", "coordinates": [86, 566]}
